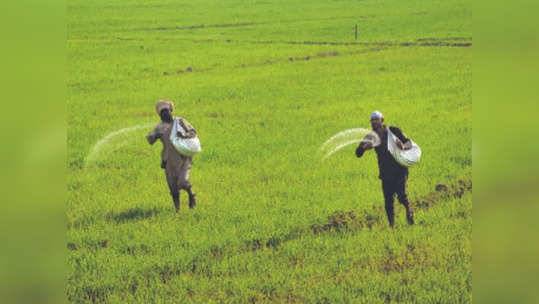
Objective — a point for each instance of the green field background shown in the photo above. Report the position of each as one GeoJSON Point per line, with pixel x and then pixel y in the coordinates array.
{"type": "Point", "coordinates": [265, 83]}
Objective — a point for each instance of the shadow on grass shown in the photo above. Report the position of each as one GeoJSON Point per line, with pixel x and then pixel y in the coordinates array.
{"type": "Point", "coordinates": [133, 214]}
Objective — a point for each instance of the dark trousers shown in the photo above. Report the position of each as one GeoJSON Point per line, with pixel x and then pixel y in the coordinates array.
{"type": "Point", "coordinates": [391, 187]}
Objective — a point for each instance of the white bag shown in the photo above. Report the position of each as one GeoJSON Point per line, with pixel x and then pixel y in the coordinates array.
{"type": "Point", "coordinates": [186, 146]}
{"type": "Point", "coordinates": [406, 158]}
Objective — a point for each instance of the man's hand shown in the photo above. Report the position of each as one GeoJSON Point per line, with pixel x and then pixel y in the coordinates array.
{"type": "Point", "coordinates": [191, 133]}
{"type": "Point", "coordinates": [367, 145]}
{"type": "Point", "coordinates": [363, 146]}
{"type": "Point", "coordinates": [406, 146]}
{"type": "Point", "coordinates": [152, 137]}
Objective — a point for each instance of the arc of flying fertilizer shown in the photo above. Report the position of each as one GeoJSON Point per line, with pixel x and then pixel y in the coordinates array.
{"type": "Point", "coordinates": [355, 132]}
{"type": "Point", "coordinates": [99, 146]}
{"type": "Point", "coordinates": [347, 143]}
{"type": "Point", "coordinates": [342, 140]}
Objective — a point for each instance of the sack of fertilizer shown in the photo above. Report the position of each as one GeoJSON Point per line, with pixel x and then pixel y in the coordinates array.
{"type": "Point", "coordinates": [407, 157]}
{"type": "Point", "coordinates": [184, 138]}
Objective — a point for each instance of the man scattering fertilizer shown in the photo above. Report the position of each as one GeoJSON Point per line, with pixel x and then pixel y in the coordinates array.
{"type": "Point", "coordinates": [393, 175]}
{"type": "Point", "coordinates": [176, 165]}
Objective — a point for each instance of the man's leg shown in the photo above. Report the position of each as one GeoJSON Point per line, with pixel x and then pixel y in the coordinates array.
{"type": "Point", "coordinates": [403, 199]}
{"type": "Point", "coordinates": [389, 199]}
{"type": "Point", "coordinates": [176, 198]}
{"type": "Point", "coordinates": [192, 197]}
{"type": "Point", "coordinates": [184, 180]}
{"type": "Point", "coordinates": [173, 187]}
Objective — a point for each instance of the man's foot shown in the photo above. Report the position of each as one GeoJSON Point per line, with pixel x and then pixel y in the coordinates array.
{"type": "Point", "coordinates": [391, 222]}
{"type": "Point", "coordinates": [192, 201]}
{"type": "Point", "coordinates": [410, 217]}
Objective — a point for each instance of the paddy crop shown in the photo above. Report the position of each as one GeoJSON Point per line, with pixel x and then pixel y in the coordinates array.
{"type": "Point", "coordinates": [265, 84]}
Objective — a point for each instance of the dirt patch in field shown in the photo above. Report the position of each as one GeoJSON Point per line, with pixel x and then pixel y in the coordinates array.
{"type": "Point", "coordinates": [72, 246]}
{"type": "Point", "coordinates": [216, 252]}
{"type": "Point", "coordinates": [94, 245]}
{"type": "Point", "coordinates": [168, 272]}
{"type": "Point", "coordinates": [273, 241]}
{"type": "Point", "coordinates": [349, 220]}
{"type": "Point", "coordinates": [338, 221]}
{"type": "Point", "coordinates": [444, 39]}
{"type": "Point", "coordinates": [133, 214]}
{"type": "Point", "coordinates": [199, 26]}
{"type": "Point", "coordinates": [400, 261]}
{"type": "Point", "coordinates": [439, 43]}
{"type": "Point", "coordinates": [443, 192]}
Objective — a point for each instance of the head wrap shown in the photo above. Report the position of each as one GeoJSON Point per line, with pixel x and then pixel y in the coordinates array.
{"type": "Point", "coordinates": [163, 104]}
{"type": "Point", "coordinates": [377, 114]}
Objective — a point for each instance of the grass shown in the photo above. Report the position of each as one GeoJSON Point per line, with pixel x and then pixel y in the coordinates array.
{"type": "Point", "coordinates": [273, 222]}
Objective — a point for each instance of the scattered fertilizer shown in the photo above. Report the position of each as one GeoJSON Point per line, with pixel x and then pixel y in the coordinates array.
{"type": "Point", "coordinates": [112, 142]}
{"type": "Point", "coordinates": [346, 138]}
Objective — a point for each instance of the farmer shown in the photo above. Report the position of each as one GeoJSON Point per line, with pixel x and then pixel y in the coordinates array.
{"type": "Point", "coordinates": [176, 165]}
{"type": "Point", "coordinates": [392, 174]}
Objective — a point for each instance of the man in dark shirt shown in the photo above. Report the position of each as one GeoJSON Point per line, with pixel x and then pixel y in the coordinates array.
{"type": "Point", "coordinates": [392, 174]}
